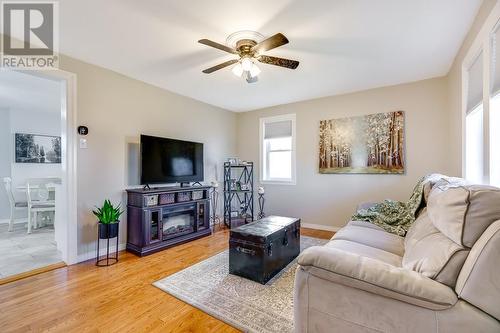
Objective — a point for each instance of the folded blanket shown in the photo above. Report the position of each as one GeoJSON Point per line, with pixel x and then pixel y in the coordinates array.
{"type": "Point", "coordinates": [396, 217]}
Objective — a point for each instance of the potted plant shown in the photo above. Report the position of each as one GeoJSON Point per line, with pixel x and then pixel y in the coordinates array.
{"type": "Point", "coordinates": [109, 217]}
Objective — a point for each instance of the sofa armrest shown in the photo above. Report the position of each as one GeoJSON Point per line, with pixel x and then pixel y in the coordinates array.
{"type": "Point", "coordinates": [376, 277]}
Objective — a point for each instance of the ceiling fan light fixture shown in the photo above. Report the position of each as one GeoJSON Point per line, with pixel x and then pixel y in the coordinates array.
{"type": "Point", "coordinates": [246, 64]}
{"type": "Point", "coordinates": [254, 71]}
{"type": "Point", "coordinates": [237, 70]}
{"type": "Point", "coordinates": [249, 46]}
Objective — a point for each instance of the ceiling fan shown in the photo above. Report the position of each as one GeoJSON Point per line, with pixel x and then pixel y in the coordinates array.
{"type": "Point", "coordinates": [250, 51]}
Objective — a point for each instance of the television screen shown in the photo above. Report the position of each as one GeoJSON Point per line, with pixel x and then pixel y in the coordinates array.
{"type": "Point", "coordinates": [170, 161]}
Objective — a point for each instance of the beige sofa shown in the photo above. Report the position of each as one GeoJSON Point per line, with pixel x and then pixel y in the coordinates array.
{"type": "Point", "coordinates": [444, 276]}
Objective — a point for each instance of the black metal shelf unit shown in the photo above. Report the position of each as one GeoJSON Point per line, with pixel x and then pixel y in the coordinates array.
{"type": "Point", "coordinates": [238, 194]}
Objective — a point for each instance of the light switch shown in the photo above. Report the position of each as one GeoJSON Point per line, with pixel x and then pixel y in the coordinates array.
{"type": "Point", "coordinates": [83, 143]}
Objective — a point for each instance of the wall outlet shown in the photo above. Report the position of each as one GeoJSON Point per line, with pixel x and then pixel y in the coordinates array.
{"type": "Point", "coordinates": [83, 143]}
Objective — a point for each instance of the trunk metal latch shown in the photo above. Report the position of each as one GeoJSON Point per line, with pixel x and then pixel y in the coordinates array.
{"type": "Point", "coordinates": [244, 250]}
{"type": "Point", "coordinates": [270, 250]}
{"type": "Point", "coordinates": [285, 239]}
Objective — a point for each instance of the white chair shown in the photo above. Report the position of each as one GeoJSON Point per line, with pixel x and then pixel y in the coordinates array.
{"type": "Point", "coordinates": [38, 199]}
{"type": "Point", "coordinates": [14, 205]}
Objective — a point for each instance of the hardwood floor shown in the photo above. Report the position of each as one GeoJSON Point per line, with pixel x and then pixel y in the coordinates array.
{"type": "Point", "coordinates": [32, 272]}
{"type": "Point", "coordinates": [119, 298]}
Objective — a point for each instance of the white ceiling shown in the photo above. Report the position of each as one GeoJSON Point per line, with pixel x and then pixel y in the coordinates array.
{"type": "Point", "coordinates": [27, 92]}
{"type": "Point", "coordinates": [342, 46]}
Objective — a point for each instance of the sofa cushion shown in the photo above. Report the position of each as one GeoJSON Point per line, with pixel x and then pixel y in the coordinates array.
{"type": "Point", "coordinates": [431, 253]}
{"type": "Point", "coordinates": [365, 251]}
{"type": "Point", "coordinates": [421, 228]}
{"type": "Point", "coordinates": [463, 212]}
{"type": "Point", "coordinates": [436, 254]}
{"type": "Point", "coordinates": [376, 238]}
{"type": "Point", "coordinates": [376, 277]}
{"type": "Point", "coordinates": [434, 179]}
{"type": "Point", "coordinates": [450, 272]}
{"type": "Point", "coordinates": [478, 282]}
{"type": "Point", "coordinates": [427, 191]}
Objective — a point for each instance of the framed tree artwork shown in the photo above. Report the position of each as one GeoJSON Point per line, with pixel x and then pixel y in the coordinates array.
{"type": "Point", "coordinates": [371, 144]}
{"type": "Point", "coordinates": [34, 148]}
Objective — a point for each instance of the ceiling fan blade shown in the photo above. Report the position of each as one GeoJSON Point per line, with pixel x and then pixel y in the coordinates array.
{"type": "Point", "coordinates": [287, 63]}
{"type": "Point", "coordinates": [217, 46]}
{"type": "Point", "coordinates": [272, 42]}
{"type": "Point", "coordinates": [219, 66]}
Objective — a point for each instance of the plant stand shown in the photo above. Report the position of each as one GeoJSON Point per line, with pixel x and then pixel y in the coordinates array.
{"type": "Point", "coordinates": [104, 231]}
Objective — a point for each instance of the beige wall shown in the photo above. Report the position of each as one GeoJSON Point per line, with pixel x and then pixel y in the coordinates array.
{"type": "Point", "coordinates": [330, 200]}
{"type": "Point", "coordinates": [455, 89]}
{"type": "Point", "coordinates": [117, 109]}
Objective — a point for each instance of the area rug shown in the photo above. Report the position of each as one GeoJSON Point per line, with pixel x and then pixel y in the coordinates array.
{"type": "Point", "coordinates": [244, 304]}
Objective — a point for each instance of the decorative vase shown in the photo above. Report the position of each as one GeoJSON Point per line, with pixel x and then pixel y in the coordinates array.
{"type": "Point", "coordinates": [108, 230]}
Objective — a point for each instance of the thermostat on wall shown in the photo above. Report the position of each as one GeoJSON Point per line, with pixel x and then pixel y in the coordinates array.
{"type": "Point", "coordinates": [83, 130]}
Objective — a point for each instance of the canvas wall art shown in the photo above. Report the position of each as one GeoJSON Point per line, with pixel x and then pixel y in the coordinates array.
{"type": "Point", "coordinates": [371, 144]}
{"type": "Point", "coordinates": [33, 148]}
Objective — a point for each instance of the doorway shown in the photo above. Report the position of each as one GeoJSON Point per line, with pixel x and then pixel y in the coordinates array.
{"type": "Point", "coordinates": [37, 170]}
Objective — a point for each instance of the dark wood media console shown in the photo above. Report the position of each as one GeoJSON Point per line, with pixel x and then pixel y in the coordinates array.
{"type": "Point", "coordinates": [158, 218]}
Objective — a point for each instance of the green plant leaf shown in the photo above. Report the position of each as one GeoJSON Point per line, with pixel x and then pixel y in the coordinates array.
{"type": "Point", "coordinates": [108, 213]}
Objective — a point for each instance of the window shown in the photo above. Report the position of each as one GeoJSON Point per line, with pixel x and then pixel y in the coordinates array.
{"type": "Point", "coordinates": [277, 140]}
{"type": "Point", "coordinates": [494, 115]}
{"type": "Point", "coordinates": [481, 104]}
{"type": "Point", "coordinates": [495, 140]}
{"type": "Point", "coordinates": [474, 145]}
{"type": "Point", "coordinates": [474, 123]}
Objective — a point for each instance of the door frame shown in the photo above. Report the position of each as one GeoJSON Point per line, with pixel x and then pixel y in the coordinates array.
{"type": "Point", "coordinates": [68, 158]}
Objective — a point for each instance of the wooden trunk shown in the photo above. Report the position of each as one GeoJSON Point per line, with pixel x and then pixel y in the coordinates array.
{"type": "Point", "coordinates": [259, 250]}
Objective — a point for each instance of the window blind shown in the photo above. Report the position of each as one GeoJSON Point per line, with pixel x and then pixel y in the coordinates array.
{"type": "Point", "coordinates": [475, 88]}
{"type": "Point", "coordinates": [278, 129]}
{"type": "Point", "coordinates": [495, 62]}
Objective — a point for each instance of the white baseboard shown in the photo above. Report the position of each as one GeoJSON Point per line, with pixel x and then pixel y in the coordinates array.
{"type": "Point", "coordinates": [102, 251]}
{"type": "Point", "coordinates": [320, 227]}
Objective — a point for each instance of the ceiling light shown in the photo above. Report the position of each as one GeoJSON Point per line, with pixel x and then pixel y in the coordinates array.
{"type": "Point", "coordinates": [254, 71]}
{"type": "Point", "coordinates": [246, 64]}
{"type": "Point", "coordinates": [248, 47]}
{"type": "Point", "coordinates": [237, 70]}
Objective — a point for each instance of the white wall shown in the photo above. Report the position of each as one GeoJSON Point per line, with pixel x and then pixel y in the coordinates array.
{"type": "Point", "coordinates": [5, 160]}
{"type": "Point", "coordinates": [330, 199]}
{"type": "Point", "coordinates": [117, 109]}
{"type": "Point", "coordinates": [23, 121]}
{"type": "Point", "coordinates": [33, 122]}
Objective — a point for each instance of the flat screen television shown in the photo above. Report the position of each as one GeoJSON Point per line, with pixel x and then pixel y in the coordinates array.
{"type": "Point", "coordinates": [166, 160]}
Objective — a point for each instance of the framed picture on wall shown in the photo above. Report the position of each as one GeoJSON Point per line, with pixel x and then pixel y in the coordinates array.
{"type": "Point", "coordinates": [35, 148]}
{"type": "Point", "coordinates": [371, 144]}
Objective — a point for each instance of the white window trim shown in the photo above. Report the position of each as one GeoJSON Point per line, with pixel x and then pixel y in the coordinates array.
{"type": "Point", "coordinates": [482, 42]}
{"type": "Point", "coordinates": [286, 117]}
